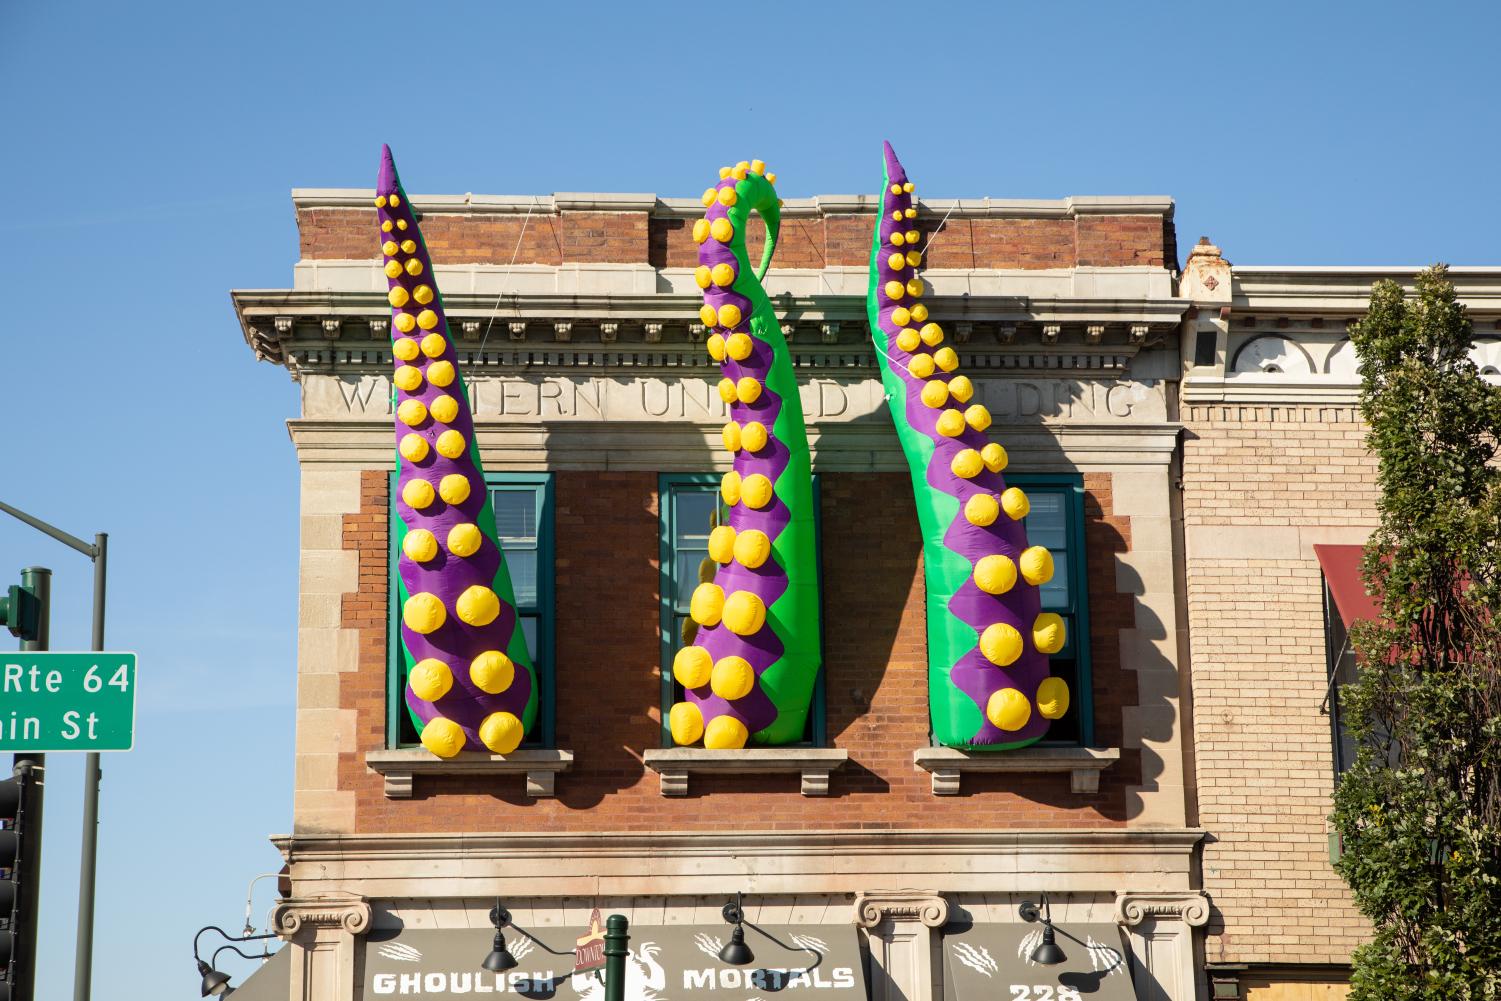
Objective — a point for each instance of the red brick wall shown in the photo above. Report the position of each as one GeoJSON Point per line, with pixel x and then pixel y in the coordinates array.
{"type": "Point", "coordinates": [836, 240]}
{"type": "Point", "coordinates": [608, 710]}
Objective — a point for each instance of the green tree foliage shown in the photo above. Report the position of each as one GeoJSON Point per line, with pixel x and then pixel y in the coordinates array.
{"type": "Point", "coordinates": [1419, 813]}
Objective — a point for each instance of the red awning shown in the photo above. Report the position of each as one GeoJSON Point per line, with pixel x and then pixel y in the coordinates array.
{"type": "Point", "coordinates": [1342, 572]}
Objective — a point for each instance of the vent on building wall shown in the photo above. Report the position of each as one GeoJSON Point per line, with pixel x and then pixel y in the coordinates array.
{"type": "Point", "coordinates": [1204, 348]}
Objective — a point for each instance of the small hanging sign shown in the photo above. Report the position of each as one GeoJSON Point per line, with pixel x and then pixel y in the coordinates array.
{"type": "Point", "coordinates": [589, 950]}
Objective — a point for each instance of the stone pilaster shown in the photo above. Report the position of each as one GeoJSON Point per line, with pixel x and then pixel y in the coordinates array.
{"type": "Point", "coordinates": [900, 926]}
{"type": "Point", "coordinates": [325, 932]}
{"type": "Point", "coordinates": [1161, 926]}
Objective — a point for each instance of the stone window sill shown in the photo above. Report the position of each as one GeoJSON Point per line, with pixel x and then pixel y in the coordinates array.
{"type": "Point", "coordinates": [401, 767]}
{"type": "Point", "coordinates": [814, 764]}
{"type": "Point", "coordinates": [1083, 764]}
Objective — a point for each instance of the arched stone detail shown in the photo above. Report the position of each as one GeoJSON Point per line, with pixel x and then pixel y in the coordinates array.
{"type": "Point", "coordinates": [1343, 363]}
{"type": "Point", "coordinates": [1272, 354]}
{"type": "Point", "coordinates": [1486, 354]}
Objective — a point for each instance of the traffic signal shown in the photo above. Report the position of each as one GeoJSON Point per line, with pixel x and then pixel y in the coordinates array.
{"type": "Point", "coordinates": [20, 865]}
{"type": "Point", "coordinates": [21, 611]}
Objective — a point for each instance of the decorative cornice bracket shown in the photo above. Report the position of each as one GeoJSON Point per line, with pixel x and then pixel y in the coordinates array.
{"type": "Point", "coordinates": [927, 906]}
{"type": "Point", "coordinates": [321, 914]}
{"type": "Point", "coordinates": [1132, 907]}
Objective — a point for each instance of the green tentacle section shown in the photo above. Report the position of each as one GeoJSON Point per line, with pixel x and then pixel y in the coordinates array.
{"type": "Point", "coordinates": [722, 706]}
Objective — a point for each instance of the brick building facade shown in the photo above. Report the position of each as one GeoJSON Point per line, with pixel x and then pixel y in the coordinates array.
{"type": "Point", "coordinates": [1116, 389]}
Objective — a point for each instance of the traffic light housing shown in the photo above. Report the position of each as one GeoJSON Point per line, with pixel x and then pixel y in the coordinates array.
{"type": "Point", "coordinates": [21, 612]}
{"type": "Point", "coordinates": [20, 866]}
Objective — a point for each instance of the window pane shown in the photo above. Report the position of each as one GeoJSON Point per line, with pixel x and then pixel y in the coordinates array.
{"type": "Point", "coordinates": [675, 642]}
{"type": "Point", "coordinates": [529, 630]}
{"type": "Point", "coordinates": [1047, 523]}
{"type": "Point", "coordinates": [1055, 591]}
{"type": "Point", "coordinates": [1047, 526]}
{"type": "Point", "coordinates": [692, 510]}
{"type": "Point", "coordinates": [523, 566]}
{"type": "Point", "coordinates": [1342, 671]}
{"type": "Point", "coordinates": [1066, 730]}
{"type": "Point", "coordinates": [515, 517]}
{"type": "Point", "coordinates": [685, 567]}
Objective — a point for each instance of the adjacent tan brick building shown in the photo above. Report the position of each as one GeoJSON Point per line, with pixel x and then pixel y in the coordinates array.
{"type": "Point", "coordinates": [1274, 463]}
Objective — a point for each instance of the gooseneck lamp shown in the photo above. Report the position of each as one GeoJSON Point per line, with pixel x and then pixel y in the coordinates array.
{"type": "Point", "coordinates": [215, 983]}
{"type": "Point", "coordinates": [1048, 952]}
{"type": "Point", "coordinates": [500, 959]}
{"type": "Point", "coordinates": [735, 951]}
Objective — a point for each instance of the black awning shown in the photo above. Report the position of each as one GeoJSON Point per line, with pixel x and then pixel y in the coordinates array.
{"type": "Point", "coordinates": [272, 982]}
{"type": "Point", "coordinates": [667, 963]}
{"type": "Point", "coordinates": [991, 962]}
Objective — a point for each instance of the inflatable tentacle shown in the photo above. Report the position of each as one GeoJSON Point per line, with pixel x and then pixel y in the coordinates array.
{"type": "Point", "coordinates": [750, 669]}
{"type": "Point", "coordinates": [988, 639]}
{"type": "Point", "coordinates": [470, 681]}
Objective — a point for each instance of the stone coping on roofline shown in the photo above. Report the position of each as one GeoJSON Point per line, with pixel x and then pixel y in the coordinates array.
{"type": "Point", "coordinates": [1069, 207]}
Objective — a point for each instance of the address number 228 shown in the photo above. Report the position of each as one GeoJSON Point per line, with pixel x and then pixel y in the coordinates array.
{"type": "Point", "coordinates": [1042, 992]}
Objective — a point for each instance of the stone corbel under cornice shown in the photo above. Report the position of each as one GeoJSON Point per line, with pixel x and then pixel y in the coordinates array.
{"type": "Point", "coordinates": [1132, 907]}
{"type": "Point", "coordinates": [929, 907]}
{"type": "Point", "coordinates": [350, 914]}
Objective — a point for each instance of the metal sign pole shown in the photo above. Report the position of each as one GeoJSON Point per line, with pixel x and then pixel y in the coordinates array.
{"type": "Point", "coordinates": [83, 969]}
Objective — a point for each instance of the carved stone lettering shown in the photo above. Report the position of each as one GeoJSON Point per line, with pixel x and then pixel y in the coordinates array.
{"type": "Point", "coordinates": [655, 399]}
{"type": "Point", "coordinates": [519, 398]}
{"type": "Point", "coordinates": [695, 399]}
{"type": "Point", "coordinates": [341, 396]}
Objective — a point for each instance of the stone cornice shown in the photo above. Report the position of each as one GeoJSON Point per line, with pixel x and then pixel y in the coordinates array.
{"type": "Point", "coordinates": [819, 205]}
{"type": "Point", "coordinates": [1270, 391]}
{"type": "Point", "coordinates": [274, 322]}
{"type": "Point", "coordinates": [1151, 860]}
{"type": "Point", "coordinates": [304, 848]}
{"type": "Point", "coordinates": [1343, 292]}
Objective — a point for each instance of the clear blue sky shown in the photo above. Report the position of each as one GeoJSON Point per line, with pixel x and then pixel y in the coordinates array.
{"type": "Point", "coordinates": [150, 152]}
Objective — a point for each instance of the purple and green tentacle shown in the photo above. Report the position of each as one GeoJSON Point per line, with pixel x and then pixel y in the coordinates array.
{"type": "Point", "coordinates": [988, 638]}
{"type": "Point", "coordinates": [749, 671]}
{"type": "Point", "coordinates": [470, 681]}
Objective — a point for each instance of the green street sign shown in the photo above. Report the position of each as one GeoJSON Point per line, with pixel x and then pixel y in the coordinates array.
{"type": "Point", "coordinates": [67, 701]}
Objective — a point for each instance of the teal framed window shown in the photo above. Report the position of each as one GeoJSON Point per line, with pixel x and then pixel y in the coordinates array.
{"type": "Point", "coordinates": [688, 506]}
{"type": "Point", "coordinates": [1056, 521]}
{"type": "Point", "coordinates": [523, 506]}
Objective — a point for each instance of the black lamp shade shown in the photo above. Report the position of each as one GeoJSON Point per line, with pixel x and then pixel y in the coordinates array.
{"type": "Point", "coordinates": [1047, 952]}
{"type": "Point", "coordinates": [736, 952]}
{"type": "Point", "coordinates": [500, 958]}
{"type": "Point", "coordinates": [214, 983]}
